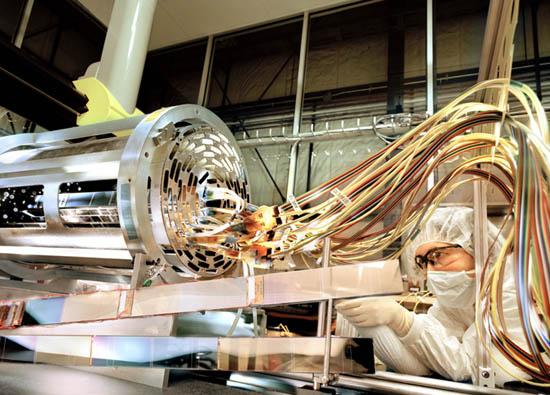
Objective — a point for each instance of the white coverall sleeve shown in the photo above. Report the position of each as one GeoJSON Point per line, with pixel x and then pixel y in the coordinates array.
{"type": "Point", "coordinates": [388, 347]}
{"type": "Point", "coordinates": [392, 352]}
{"type": "Point", "coordinates": [455, 358]}
{"type": "Point", "coordinates": [429, 340]}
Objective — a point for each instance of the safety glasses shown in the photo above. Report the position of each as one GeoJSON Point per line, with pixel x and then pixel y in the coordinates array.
{"type": "Point", "coordinates": [431, 256]}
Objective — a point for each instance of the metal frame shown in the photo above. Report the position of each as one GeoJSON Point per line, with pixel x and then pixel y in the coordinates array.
{"type": "Point", "coordinates": [296, 132]}
{"type": "Point", "coordinates": [431, 69]}
{"type": "Point", "coordinates": [333, 134]}
{"type": "Point", "coordinates": [163, 325]}
{"type": "Point", "coordinates": [496, 62]}
{"type": "Point", "coordinates": [396, 58]}
{"type": "Point", "coordinates": [23, 22]}
{"type": "Point", "coordinates": [534, 26]}
{"type": "Point", "coordinates": [380, 382]}
{"type": "Point", "coordinates": [94, 328]}
{"type": "Point", "coordinates": [206, 72]}
{"type": "Point", "coordinates": [264, 165]}
{"type": "Point", "coordinates": [373, 278]}
{"type": "Point", "coordinates": [269, 354]}
{"type": "Point", "coordinates": [325, 319]}
{"type": "Point", "coordinates": [298, 104]}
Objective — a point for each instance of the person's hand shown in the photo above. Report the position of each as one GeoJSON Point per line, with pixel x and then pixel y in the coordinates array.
{"type": "Point", "coordinates": [376, 311]}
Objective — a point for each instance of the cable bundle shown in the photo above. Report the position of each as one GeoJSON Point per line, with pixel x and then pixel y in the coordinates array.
{"type": "Point", "coordinates": [353, 208]}
{"type": "Point", "coordinates": [397, 174]}
{"type": "Point", "coordinates": [530, 242]}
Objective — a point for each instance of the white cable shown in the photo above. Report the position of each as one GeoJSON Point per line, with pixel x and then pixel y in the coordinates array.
{"type": "Point", "coordinates": [254, 311]}
{"type": "Point", "coordinates": [239, 311]}
{"type": "Point", "coordinates": [235, 322]}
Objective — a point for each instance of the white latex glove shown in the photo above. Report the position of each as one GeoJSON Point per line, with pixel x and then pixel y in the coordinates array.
{"type": "Point", "coordinates": [376, 311]}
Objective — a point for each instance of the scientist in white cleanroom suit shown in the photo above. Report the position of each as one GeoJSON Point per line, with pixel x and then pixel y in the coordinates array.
{"type": "Point", "coordinates": [445, 339]}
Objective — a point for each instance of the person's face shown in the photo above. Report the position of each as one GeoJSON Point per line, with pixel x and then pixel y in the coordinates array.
{"type": "Point", "coordinates": [447, 259]}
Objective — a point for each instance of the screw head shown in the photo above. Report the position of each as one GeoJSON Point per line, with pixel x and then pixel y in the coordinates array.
{"type": "Point", "coordinates": [485, 374]}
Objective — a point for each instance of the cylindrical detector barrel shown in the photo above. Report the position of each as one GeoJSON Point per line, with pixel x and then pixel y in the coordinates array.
{"type": "Point", "coordinates": [66, 195]}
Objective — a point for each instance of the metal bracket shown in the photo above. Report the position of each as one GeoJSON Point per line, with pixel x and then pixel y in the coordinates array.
{"type": "Point", "coordinates": [486, 377]}
{"type": "Point", "coordinates": [140, 271]}
{"type": "Point", "coordinates": [325, 316]}
{"type": "Point", "coordinates": [166, 133]}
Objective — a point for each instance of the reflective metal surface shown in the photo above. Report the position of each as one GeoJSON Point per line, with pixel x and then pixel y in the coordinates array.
{"type": "Point", "coordinates": [150, 152]}
{"type": "Point", "coordinates": [193, 296]}
{"type": "Point", "coordinates": [373, 278]}
{"type": "Point", "coordinates": [80, 196]}
{"type": "Point", "coordinates": [228, 293]}
{"type": "Point", "coordinates": [296, 354]}
{"type": "Point", "coordinates": [200, 159]}
{"type": "Point", "coordinates": [143, 326]}
{"type": "Point", "coordinates": [387, 383]}
{"type": "Point", "coordinates": [53, 272]}
{"type": "Point", "coordinates": [299, 354]}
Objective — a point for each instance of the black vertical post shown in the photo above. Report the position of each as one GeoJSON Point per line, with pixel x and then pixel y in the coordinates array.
{"type": "Point", "coordinates": [431, 68]}
{"type": "Point", "coordinates": [310, 152]}
{"type": "Point", "coordinates": [310, 159]}
{"type": "Point", "coordinates": [534, 23]}
{"type": "Point", "coordinates": [55, 45]}
{"type": "Point", "coordinates": [226, 85]}
{"type": "Point", "coordinates": [396, 56]}
{"type": "Point", "coordinates": [396, 72]}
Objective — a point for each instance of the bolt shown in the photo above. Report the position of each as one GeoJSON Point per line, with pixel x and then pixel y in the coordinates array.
{"type": "Point", "coordinates": [485, 374]}
{"type": "Point", "coordinates": [157, 140]}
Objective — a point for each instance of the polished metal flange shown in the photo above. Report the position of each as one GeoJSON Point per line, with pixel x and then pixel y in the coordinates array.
{"type": "Point", "coordinates": [172, 162]}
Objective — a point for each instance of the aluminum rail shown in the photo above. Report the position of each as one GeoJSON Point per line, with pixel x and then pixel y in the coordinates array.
{"type": "Point", "coordinates": [323, 136]}
{"type": "Point", "coordinates": [373, 278]}
{"type": "Point", "coordinates": [396, 387]}
{"type": "Point", "coordinates": [206, 70]}
{"type": "Point", "coordinates": [348, 110]}
{"type": "Point", "coordinates": [60, 136]}
{"type": "Point", "coordinates": [162, 325]}
{"type": "Point", "coordinates": [496, 62]}
{"type": "Point", "coordinates": [376, 126]}
{"type": "Point", "coordinates": [267, 354]}
{"type": "Point", "coordinates": [431, 71]}
{"type": "Point", "coordinates": [299, 104]}
{"type": "Point", "coordinates": [438, 383]}
{"type": "Point", "coordinates": [396, 383]}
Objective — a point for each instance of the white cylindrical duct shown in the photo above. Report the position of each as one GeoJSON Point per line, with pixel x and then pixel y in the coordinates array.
{"type": "Point", "coordinates": [299, 104]}
{"type": "Point", "coordinates": [125, 49]}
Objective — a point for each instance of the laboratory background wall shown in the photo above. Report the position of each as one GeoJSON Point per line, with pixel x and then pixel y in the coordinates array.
{"type": "Point", "coordinates": [363, 61]}
{"type": "Point", "coordinates": [352, 54]}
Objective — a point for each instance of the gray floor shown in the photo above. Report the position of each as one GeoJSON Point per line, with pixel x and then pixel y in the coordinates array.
{"type": "Point", "coordinates": [20, 379]}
